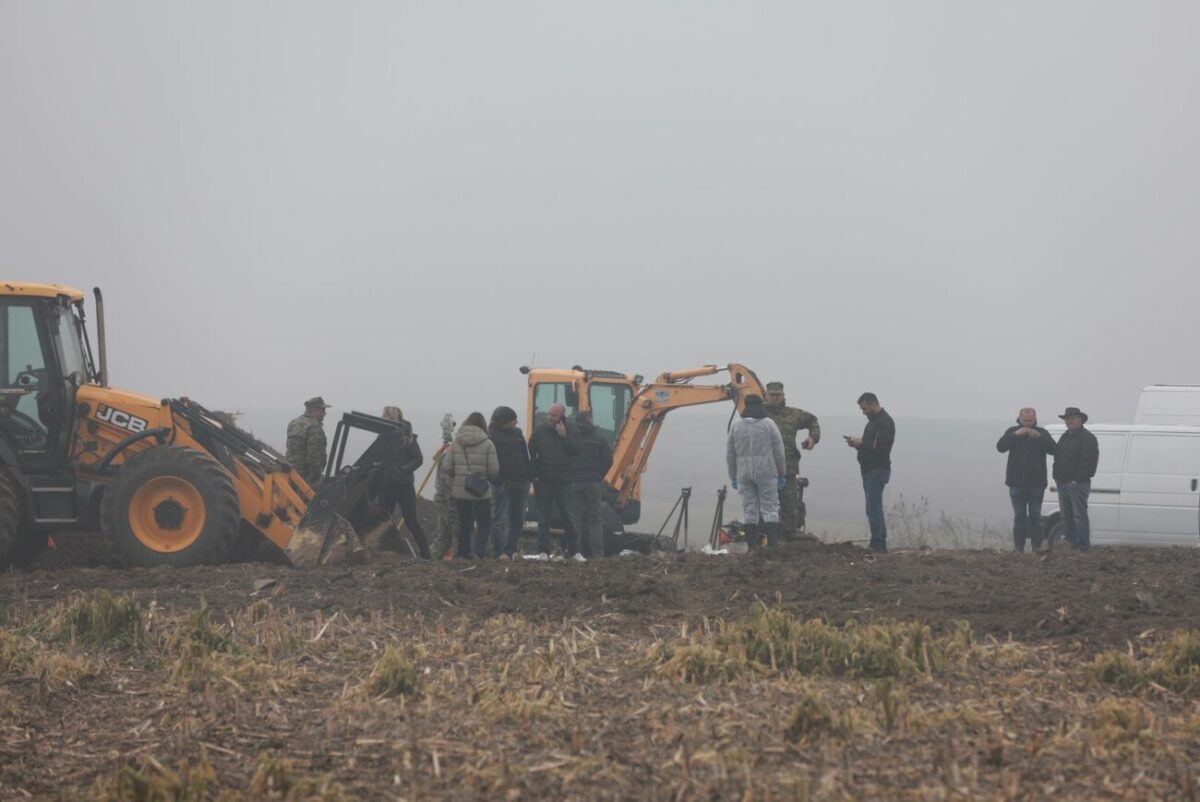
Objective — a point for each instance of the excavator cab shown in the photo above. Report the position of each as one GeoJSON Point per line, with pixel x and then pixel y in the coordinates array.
{"type": "Point", "coordinates": [607, 395]}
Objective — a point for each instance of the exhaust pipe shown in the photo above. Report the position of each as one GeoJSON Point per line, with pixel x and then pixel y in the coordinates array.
{"type": "Point", "coordinates": [100, 341]}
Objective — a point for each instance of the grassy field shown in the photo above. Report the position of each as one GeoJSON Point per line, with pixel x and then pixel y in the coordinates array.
{"type": "Point", "coordinates": [819, 673]}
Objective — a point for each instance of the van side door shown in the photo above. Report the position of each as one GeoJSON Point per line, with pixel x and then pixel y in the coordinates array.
{"type": "Point", "coordinates": [1104, 501]}
{"type": "Point", "coordinates": [1160, 503]}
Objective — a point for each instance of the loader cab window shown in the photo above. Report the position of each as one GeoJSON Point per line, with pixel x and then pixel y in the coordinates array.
{"type": "Point", "coordinates": [26, 385]}
{"type": "Point", "coordinates": [609, 403]}
{"type": "Point", "coordinates": [68, 338]}
{"type": "Point", "coordinates": [546, 395]}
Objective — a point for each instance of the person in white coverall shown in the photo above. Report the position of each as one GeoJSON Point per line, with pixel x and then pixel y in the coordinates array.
{"type": "Point", "coordinates": [757, 469]}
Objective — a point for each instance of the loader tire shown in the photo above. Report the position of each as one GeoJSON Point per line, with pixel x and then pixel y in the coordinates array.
{"type": "Point", "coordinates": [10, 520]}
{"type": "Point", "coordinates": [171, 505]}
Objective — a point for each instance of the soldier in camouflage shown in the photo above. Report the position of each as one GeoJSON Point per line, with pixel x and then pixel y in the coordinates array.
{"type": "Point", "coordinates": [791, 420]}
{"type": "Point", "coordinates": [306, 441]}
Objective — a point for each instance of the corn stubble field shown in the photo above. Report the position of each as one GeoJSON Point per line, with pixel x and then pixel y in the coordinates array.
{"type": "Point", "coordinates": [816, 673]}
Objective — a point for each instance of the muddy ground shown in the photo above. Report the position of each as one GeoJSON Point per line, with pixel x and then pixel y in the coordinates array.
{"type": "Point", "coordinates": [502, 714]}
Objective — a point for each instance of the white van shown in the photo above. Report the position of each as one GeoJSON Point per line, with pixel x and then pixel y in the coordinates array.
{"type": "Point", "coordinates": [1175, 404]}
{"type": "Point", "coordinates": [1146, 491]}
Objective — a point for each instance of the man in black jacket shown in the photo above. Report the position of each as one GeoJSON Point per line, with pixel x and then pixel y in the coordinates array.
{"type": "Point", "coordinates": [1075, 459]}
{"type": "Point", "coordinates": [591, 464]}
{"type": "Point", "coordinates": [399, 456]}
{"type": "Point", "coordinates": [875, 461]}
{"type": "Point", "coordinates": [552, 450]}
{"type": "Point", "coordinates": [1027, 445]}
{"type": "Point", "coordinates": [510, 493]}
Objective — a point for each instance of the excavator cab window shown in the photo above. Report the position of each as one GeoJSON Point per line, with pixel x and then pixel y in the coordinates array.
{"type": "Point", "coordinates": [547, 394]}
{"type": "Point", "coordinates": [609, 403]}
{"type": "Point", "coordinates": [25, 385]}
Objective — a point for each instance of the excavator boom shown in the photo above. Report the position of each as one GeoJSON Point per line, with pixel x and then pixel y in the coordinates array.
{"type": "Point", "coordinates": [672, 390]}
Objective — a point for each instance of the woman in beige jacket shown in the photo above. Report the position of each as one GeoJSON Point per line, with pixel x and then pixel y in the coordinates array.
{"type": "Point", "coordinates": [472, 465]}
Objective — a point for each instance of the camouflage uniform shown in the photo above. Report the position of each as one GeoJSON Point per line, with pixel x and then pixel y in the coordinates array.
{"type": "Point", "coordinates": [790, 421]}
{"type": "Point", "coordinates": [306, 448]}
{"type": "Point", "coordinates": [447, 514]}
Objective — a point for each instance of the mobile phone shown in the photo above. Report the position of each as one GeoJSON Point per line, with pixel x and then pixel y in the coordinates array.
{"type": "Point", "coordinates": [846, 437]}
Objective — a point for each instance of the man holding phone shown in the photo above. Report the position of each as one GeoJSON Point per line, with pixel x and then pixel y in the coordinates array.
{"type": "Point", "coordinates": [875, 461]}
{"type": "Point", "coordinates": [552, 451]}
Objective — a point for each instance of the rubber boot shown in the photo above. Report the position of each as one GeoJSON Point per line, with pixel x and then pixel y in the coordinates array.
{"type": "Point", "coordinates": [753, 538]}
{"type": "Point", "coordinates": [772, 530]}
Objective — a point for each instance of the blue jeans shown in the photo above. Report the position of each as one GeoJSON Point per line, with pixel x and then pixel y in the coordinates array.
{"type": "Point", "coordinates": [1072, 501]}
{"type": "Point", "coordinates": [508, 516]}
{"type": "Point", "coordinates": [1027, 512]}
{"type": "Point", "coordinates": [561, 495]}
{"type": "Point", "coordinates": [873, 484]}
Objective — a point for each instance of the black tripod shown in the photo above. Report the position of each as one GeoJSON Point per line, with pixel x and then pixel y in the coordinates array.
{"type": "Point", "coordinates": [681, 522]}
{"type": "Point", "coordinates": [714, 535]}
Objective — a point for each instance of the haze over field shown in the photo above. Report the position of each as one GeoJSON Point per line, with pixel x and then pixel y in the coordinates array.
{"type": "Point", "coordinates": [965, 208]}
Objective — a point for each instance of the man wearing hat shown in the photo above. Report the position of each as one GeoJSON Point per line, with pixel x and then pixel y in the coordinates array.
{"type": "Point", "coordinates": [306, 441]}
{"type": "Point", "coordinates": [790, 421]}
{"type": "Point", "coordinates": [1075, 458]}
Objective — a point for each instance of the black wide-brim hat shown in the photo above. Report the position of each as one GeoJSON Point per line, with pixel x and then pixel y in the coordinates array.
{"type": "Point", "coordinates": [1074, 411]}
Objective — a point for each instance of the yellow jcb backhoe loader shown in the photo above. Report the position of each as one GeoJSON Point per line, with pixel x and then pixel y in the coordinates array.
{"type": "Point", "coordinates": [629, 413]}
{"type": "Point", "coordinates": [167, 481]}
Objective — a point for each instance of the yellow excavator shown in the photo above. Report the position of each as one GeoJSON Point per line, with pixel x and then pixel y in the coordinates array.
{"type": "Point", "coordinates": [629, 413]}
{"type": "Point", "coordinates": [167, 481]}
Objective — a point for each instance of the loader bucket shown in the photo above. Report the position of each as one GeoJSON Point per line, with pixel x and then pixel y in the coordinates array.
{"type": "Point", "coordinates": [325, 534]}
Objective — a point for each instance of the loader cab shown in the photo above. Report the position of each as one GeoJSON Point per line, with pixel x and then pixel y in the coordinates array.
{"type": "Point", "coordinates": [43, 358]}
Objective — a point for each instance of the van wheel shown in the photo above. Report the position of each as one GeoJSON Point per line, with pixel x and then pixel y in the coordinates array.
{"type": "Point", "coordinates": [171, 505]}
{"type": "Point", "coordinates": [1056, 535]}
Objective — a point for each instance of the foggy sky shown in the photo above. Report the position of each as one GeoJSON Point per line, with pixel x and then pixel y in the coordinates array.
{"type": "Point", "coordinates": [965, 207]}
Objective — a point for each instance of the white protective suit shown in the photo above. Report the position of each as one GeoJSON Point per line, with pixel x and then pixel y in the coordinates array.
{"type": "Point", "coordinates": [754, 454]}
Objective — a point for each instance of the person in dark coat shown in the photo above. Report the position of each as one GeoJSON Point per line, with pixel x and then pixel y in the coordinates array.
{"type": "Point", "coordinates": [874, 449]}
{"type": "Point", "coordinates": [591, 464]}
{"type": "Point", "coordinates": [1027, 445]}
{"type": "Point", "coordinates": [552, 450]}
{"type": "Point", "coordinates": [400, 456]}
{"type": "Point", "coordinates": [1075, 459]}
{"type": "Point", "coordinates": [510, 492]}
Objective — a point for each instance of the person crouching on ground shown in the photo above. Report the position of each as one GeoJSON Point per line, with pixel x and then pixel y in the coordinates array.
{"type": "Point", "coordinates": [757, 469]}
{"type": "Point", "coordinates": [472, 464]}
{"type": "Point", "coordinates": [591, 464]}
{"type": "Point", "coordinates": [511, 489]}
{"type": "Point", "coordinates": [1027, 445]}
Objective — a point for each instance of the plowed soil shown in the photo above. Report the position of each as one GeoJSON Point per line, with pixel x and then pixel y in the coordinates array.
{"type": "Point", "coordinates": [611, 727]}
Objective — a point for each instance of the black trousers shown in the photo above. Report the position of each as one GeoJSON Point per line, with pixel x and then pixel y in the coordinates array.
{"type": "Point", "coordinates": [405, 495]}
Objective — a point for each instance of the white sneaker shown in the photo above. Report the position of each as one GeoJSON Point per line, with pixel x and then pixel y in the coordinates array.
{"type": "Point", "coordinates": [579, 558]}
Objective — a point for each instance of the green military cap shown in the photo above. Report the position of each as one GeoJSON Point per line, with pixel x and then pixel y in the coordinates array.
{"type": "Point", "coordinates": [774, 387]}
{"type": "Point", "coordinates": [316, 401]}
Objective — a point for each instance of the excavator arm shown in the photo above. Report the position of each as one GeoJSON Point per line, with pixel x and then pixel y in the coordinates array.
{"type": "Point", "coordinates": [650, 406]}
